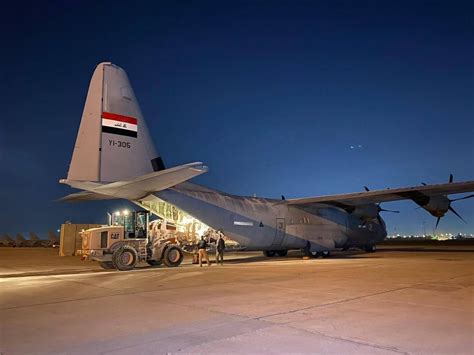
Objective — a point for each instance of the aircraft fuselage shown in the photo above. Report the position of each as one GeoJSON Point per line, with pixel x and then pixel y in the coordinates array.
{"type": "Point", "coordinates": [267, 224]}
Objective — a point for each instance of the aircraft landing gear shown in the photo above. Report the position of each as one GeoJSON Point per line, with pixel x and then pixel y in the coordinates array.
{"type": "Point", "coordinates": [315, 253]}
{"type": "Point", "coordinates": [318, 254]}
{"type": "Point", "coordinates": [322, 254]}
{"type": "Point", "coordinates": [325, 253]}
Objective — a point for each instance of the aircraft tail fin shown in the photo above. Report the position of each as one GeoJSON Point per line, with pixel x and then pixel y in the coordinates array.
{"type": "Point", "coordinates": [52, 236]}
{"type": "Point", "coordinates": [113, 142]}
{"type": "Point", "coordinates": [6, 238]}
{"type": "Point", "coordinates": [34, 237]}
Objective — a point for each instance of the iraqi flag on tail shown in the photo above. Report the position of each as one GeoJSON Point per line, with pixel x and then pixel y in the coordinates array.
{"type": "Point", "coordinates": [118, 124]}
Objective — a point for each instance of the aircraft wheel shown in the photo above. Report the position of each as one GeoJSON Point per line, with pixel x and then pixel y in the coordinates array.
{"type": "Point", "coordinates": [282, 252]}
{"type": "Point", "coordinates": [370, 248]}
{"type": "Point", "coordinates": [154, 262]}
{"type": "Point", "coordinates": [310, 254]}
{"type": "Point", "coordinates": [268, 253]}
{"type": "Point", "coordinates": [173, 256]}
{"type": "Point", "coordinates": [108, 265]}
{"type": "Point", "coordinates": [325, 253]}
{"type": "Point", "coordinates": [125, 258]}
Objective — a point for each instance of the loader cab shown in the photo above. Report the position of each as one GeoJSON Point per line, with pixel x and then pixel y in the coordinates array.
{"type": "Point", "coordinates": [135, 224]}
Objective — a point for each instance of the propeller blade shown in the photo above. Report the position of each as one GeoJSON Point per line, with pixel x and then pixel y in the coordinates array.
{"type": "Point", "coordinates": [457, 214]}
{"type": "Point", "coordinates": [379, 219]}
{"type": "Point", "coordinates": [437, 222]}
{"type": "Point", "coordinates": [384, 210]}
{"type": "Point", "coordinates": [423, 183]}
{"type": "Point", "coordinates": [366, 188]}
{"type": "Point", "coordinates": [462, 198]}
{"type": "Point", "coordinates": [451, 178]}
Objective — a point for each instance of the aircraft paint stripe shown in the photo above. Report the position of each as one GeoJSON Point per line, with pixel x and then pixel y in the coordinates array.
{"type": "Point", "coordinates": [121, 118]}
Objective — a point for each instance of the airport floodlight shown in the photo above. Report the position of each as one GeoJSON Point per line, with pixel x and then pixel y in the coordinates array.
{"type": "Point", "coordinates": [117, 213]}
{"type": "Point", "coordinates": [125, 212]}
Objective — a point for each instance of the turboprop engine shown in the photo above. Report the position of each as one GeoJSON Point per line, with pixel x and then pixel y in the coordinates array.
{"type": "Point", "coordinates": [370, 212]}
{"type": "Point", "coordinates": [438, 205]}
{"type": "Point", "coordinates": [367, 212]}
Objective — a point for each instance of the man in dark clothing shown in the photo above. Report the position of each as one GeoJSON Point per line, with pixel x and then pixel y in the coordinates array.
{"type": "Point", "coordinates": [202, 251]}
{"type": "Point", "coordinates": [220, 247]}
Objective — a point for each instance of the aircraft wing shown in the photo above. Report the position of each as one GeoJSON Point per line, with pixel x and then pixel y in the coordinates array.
{"type": "Point", "coordinates": [419, 194]}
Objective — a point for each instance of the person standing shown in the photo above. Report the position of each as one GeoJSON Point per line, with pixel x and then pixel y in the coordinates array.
{"type": "Point", "coordinates": [202, 251]}
{"type": "Point", "coordinates": [220, 247]}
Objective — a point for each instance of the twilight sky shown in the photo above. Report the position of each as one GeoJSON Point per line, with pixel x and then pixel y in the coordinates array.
{"type": "Point", "coordinates": [271, 95]}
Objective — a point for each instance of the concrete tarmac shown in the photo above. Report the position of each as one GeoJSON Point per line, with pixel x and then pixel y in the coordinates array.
{"type": "Point", "coordinates": [392, 301]}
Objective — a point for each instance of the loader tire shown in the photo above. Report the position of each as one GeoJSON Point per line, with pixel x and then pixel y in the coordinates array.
{"type": "Point", "coordinates": [125, 258]}
{"type": "Point", "coordinates": [173, 256]}
{"type": "Point", "coordinates": [269, 253]}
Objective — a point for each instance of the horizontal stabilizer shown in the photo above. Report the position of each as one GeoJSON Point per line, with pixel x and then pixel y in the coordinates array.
{"type": "Point", "coordinates": [136, 188]}
{"type": "Point", "coordinates": [85, 196]}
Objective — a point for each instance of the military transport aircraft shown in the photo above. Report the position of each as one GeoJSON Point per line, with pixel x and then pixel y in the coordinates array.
{"type": "Point", "coordinates": [20, 241]}
{"type": "Point", "coordinates": [114, 157]}
{"type": "Point", "coordinates": [53, 239]}
{"type": "Point", "coordinates": [38, 242]}
{"type": "Point", "coordinates": [7, 241]}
